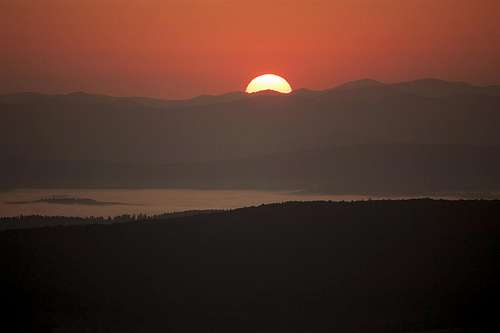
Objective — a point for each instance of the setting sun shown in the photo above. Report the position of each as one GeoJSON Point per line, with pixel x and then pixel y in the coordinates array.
{"type": "Point", "coordinates": [269, 82]}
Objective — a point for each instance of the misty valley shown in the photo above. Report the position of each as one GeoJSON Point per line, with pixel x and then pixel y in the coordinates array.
{"type": "Point", "coordinates": [116, 202]}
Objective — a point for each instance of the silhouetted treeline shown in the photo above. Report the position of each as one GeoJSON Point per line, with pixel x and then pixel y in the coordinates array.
{"type": "Point", "coordinates": [40, 221]}
{"type": "Point", "coordinates": [373, 266]}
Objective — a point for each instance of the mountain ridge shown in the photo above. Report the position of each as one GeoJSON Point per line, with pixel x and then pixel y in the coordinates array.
{"type": "Point", "coordinates": [409, 86]}
{"type": "Point", "coordinates": [237, 125]}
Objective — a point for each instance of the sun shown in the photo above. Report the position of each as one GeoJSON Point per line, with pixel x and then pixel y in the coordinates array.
{"type": "Point", "coordinates": [269, 82]}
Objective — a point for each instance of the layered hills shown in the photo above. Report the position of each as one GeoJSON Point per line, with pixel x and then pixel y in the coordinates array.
{"type": "Point", "coordinates": [419, 128]}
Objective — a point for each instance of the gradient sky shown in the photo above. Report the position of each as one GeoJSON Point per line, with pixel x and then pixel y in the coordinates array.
{"type": "Point", "coordinates": [183, 48]}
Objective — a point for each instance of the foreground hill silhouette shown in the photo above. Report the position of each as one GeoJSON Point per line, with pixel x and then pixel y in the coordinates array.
{"type": "Point", "coordinates": [374, 266]}
{"type": "Point", "coordinates": [436, 135]}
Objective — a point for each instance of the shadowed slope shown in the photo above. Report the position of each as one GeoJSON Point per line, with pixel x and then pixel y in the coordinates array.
{"type": "Point", "coordinates": [374, 266]}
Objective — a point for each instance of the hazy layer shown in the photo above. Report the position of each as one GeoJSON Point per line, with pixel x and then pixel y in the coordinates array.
{"type": "Point", "coordinates": [156, 201]}
{"type": "Point", "coordinates": [148, 201]}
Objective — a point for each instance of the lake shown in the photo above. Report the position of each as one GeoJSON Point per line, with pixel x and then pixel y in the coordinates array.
{"type": "Point", "coordinates": [113, 202]}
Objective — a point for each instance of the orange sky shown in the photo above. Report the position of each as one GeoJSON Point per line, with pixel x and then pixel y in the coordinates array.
{"type": "Point", "coordinates": [182, 48]}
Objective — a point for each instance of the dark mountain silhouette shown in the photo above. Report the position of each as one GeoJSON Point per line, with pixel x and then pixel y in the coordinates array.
{"type": "Point", "coordinates": [438, 88]}
{"type": "Point", "coordinates": [363, 83]}
{"type": "Point", "coordinates": [374, 266]}
{"type": "Point", "coordinates": [204, 133]}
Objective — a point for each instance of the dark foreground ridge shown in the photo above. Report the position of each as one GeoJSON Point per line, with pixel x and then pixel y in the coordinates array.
{"type": "Point", "coordinates": [43, 221]}
{"type": "Point", "coordinates": [372, 266]}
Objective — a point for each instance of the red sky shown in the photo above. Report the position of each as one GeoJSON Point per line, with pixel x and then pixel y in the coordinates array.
{"type": "Point", "coordinates": [183, 48]}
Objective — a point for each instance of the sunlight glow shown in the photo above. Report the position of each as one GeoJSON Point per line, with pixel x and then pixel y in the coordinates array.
{"type": "Point", "coordinates": [269, 82]}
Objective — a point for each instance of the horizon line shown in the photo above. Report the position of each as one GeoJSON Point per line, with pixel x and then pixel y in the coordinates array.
{"type": "Point", "coordinates": [84, 92]}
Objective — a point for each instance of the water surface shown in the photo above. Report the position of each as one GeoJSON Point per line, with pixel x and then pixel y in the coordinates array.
{"type": "Point", "coordinates": [113, 202]}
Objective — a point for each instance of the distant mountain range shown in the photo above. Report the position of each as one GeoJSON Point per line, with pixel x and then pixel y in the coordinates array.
{"type": "Point", "coordinates": [410, 124]}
